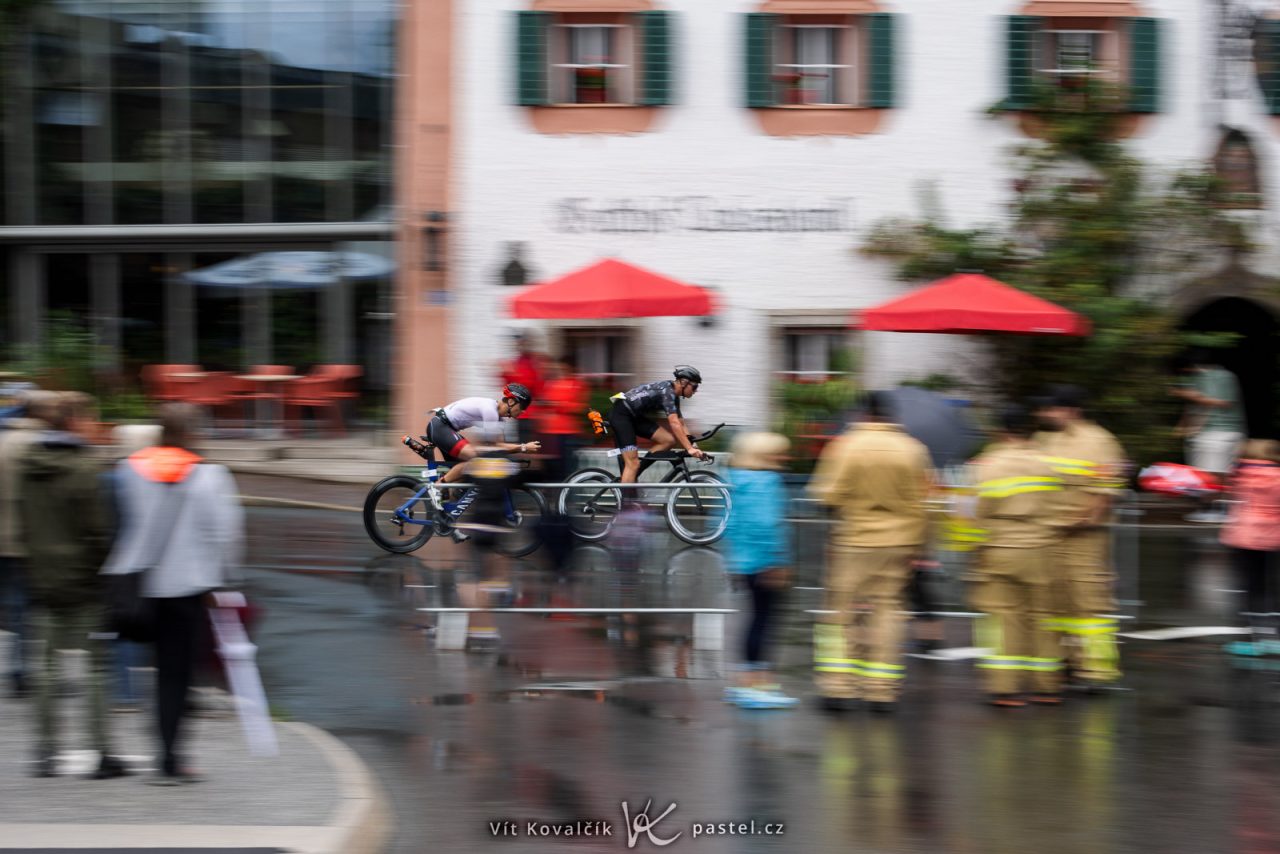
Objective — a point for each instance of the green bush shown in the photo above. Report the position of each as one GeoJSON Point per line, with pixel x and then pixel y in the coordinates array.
{"type": "Point", "coordinates": [1088, 220]}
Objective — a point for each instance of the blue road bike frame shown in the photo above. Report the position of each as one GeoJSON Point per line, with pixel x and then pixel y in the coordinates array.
{"type": "Point", "coordinates": [452, 509]}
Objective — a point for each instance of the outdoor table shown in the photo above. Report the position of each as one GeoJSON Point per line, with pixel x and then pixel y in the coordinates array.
{"type": "Point", "coordinates": [265, 380]}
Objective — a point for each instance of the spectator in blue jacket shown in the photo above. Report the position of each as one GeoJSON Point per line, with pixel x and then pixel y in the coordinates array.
{"type": "Point", "coordinates": [759, 556]}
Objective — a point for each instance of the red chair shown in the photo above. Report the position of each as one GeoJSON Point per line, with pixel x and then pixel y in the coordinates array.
{"type": "Point", "coordinates": [159, 384]}
{"type": "Point", "coordinates": [217, 390]}
{"type": "Point", "coordinates": [347, 375]}
{"type": "Point", "coordinates": [314, 392]}
{"type": "Point", "coordinates": [249, 390]}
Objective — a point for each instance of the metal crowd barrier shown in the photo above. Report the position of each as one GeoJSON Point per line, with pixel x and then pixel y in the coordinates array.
{"type": "Point", "coordinates": [948, 585]}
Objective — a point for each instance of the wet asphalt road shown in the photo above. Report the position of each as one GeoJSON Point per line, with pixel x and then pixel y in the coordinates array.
{"type": "Point", "coordinates": [562, 720]}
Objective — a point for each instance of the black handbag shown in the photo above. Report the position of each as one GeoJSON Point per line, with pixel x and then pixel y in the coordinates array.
{"type": "Point", "coordinates": [133, 615]}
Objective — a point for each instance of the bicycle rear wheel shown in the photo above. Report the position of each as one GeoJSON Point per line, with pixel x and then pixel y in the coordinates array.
{"type": "Point", "coordinates": [524, 536]}
{"type": "Point", "coordinates": [699, 515]}
{"type": "Point", "coordinates": [589, 505]}
{"type": "Point", "coordinates": [399, 535]}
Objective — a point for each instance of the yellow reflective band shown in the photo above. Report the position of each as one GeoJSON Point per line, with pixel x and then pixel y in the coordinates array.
{"type": "Point", "coordinates": [1019, 662]}
{"type": "Point", "coordinates": [1011, 491]}
{"type": "Point", "coordinates": [880, 670]}
{"type": "Point", "coordinates": [875, 674]}
{"type": "Point", "coordinates": [1086, 626]}
{"type": "Point", "coordinates": [1068, 461]}
{"type": "Point", "coordinates": [1006, 486]}
{"type": "Point", "coordinates": [618, 396]}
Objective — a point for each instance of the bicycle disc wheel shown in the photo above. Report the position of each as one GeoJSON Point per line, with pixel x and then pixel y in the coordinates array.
{"type": "Point", "coordinates": [524, 536]}
{"type": "Point", "coordinates": [699, 515]}
{"type": "Point", "coordinates": [589, 505]}
{"type": "Point", "coordinates": [379, 515]}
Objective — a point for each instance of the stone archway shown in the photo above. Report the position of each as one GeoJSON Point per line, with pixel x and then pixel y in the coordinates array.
{"type": "Point", "coordinates": [1253, 359]}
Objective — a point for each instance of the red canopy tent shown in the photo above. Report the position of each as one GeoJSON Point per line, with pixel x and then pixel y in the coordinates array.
{"type": "Point", "coordinates": [971, 302]}
{"type": "Point", "coordinates": [610, 288]}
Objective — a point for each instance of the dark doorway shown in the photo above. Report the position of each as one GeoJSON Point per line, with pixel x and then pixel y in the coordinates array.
{"type": "Point", "coordinates": [1253, 358]}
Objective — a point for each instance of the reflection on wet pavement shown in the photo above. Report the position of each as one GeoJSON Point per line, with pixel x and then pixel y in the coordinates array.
{"type": "Point", "coordinates": [561, 718]}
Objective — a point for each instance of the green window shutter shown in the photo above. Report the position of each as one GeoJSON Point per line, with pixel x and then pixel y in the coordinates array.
{"type": "Point", "coordinates": [880, 38]}
{"type": "Point", "coordinates": [531, 58]}
{"type": "Point", "coordinates": [657, 90]}
{"type": "Point", "coordinates": [758, 58]}
{"type": "Point", "coordinates": [1020, 60]}
{"type": "Point", "coordinates": [1144, 65]}
{"type": "Point", "coordinates": [1267, 57]}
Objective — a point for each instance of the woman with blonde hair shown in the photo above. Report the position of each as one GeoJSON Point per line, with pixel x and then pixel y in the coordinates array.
{"type": "Point", "coordinates": [1252, 532]}
{"type": "Point", "coordinates": [759, 557]}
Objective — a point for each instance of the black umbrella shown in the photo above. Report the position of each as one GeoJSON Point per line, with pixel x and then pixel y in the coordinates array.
{"type": "Point", "coordinates": [941, 425]}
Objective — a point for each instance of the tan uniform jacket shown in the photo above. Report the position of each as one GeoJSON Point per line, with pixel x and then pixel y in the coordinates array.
{"type": "Point", "coordinates": [877, 477]}
{"type": "Point", "coordinates": [1016, 490]}
{"type": "Point", "coordinates": [1090, 462]}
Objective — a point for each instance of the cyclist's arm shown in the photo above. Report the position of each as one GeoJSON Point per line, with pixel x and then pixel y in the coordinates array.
{"type": "Point", "coordinates": [682, 435]}
{"type": "Point", "coordinates": [519, 447]}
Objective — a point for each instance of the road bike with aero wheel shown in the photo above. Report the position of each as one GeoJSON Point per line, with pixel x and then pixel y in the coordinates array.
{"type": "Point", "coordinates": [697, 513]}
{"type": "Point", "coordinates": [402, 512]}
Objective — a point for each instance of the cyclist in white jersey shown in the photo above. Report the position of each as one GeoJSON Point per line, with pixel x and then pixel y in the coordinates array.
{"type": "Point", "coordinates": [444, 430]}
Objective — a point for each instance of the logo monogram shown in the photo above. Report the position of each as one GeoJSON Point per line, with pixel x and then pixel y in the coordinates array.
{"type": "Point", "coordinates": [641, 823]}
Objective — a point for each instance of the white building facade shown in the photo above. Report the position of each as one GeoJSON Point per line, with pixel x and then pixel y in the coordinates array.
{"type": "Point", "coordinates": [748, 147]}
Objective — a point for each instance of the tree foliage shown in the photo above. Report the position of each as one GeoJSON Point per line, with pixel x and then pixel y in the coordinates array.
{"type": "Point", "coordinates": [1091, 229]}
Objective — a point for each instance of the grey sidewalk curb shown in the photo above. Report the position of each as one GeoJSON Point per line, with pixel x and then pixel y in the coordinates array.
{"type": "Point", "coordinates": [363, 821]}
{"type": "Point", "coordinates": [265, 501]}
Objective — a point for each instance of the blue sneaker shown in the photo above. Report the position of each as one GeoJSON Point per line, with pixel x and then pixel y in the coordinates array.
{"type": "Point", "coordinates": [1244, 648]}
{"type": "Point", "coordinates": [754, 698]}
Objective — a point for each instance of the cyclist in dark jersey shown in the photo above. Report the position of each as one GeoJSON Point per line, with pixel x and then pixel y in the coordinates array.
{"type": "Point", "coordinates": [635, 415]}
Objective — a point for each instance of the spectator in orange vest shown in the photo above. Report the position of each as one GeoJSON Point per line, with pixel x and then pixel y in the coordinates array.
{"type": "Point", "coordinates": [562, 414]}
{"type": "Point", "coordinates": [527, 369]}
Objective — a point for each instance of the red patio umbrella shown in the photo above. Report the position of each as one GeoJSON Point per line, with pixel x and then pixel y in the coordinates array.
{"type": "Point", "coordinates": [610, 288]}
{"type": "Point", "coordinates": [971, 302]}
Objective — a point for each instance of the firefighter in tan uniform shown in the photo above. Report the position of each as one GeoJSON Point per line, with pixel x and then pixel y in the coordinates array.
{"type": "Point", "coordinates": [1091, 464]}
{"type": "Point", "coordinates": [1015, 487]}
{"type": "Point", "coordinates": [876, 477]}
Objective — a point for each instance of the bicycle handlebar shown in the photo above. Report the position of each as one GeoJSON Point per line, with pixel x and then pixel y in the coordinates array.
{"type": "Point", "coordinates": [707, 435]}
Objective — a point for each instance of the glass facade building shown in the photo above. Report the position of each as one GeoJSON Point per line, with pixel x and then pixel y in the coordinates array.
{"type": "Point", "coordinates": [147, 140]}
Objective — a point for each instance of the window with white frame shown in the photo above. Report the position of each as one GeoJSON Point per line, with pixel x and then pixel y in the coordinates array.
{"type": "Point", "coordinates": [816, 64]}
{"type": "Point", "coordinates": [601, 356]}
{"type": "Point", "coordinates": [1072, 53]}
{"type": "Point", "coordinates": [592, 63]}
{"type": "Point", "coordinates": [813, 353]}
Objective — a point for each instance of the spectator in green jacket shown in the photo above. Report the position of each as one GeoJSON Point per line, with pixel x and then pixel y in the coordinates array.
{"type": "Point", "coordinates": [66, 528]}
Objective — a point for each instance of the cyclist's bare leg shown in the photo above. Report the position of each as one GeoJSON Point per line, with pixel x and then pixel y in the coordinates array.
{"type": "Point", "coordinates": [662, 440]}
{"type": "Point", "coordinates": [630, 465]}
{"type": "Point", "coordinates": [456, 471]}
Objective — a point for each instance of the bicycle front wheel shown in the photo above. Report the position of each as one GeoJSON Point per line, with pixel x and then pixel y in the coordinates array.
{"type": "Point", "coordinates": [590, 505]}
{"type": "Point", "coordinates": [699, 515]}
{"type": "Point", "coordinates": [393, 519]}
{"type": "Point", "coordinates": [528, 508]}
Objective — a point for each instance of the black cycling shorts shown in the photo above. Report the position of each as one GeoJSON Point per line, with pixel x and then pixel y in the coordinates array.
{"type": "Point", "coordinates": [627, 427]}
{"type": "Point", "coordinates": [449, 441]}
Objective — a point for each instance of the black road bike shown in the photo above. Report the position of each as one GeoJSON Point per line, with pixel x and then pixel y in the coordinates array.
{"type": "Point", "coordinates": [697, 513]}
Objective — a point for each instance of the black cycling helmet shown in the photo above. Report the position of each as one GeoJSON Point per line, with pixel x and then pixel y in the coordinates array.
{"type": "Point", "coordinates": [688, 372]}
{"type": "Point", "coordinates": [518, 393]}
